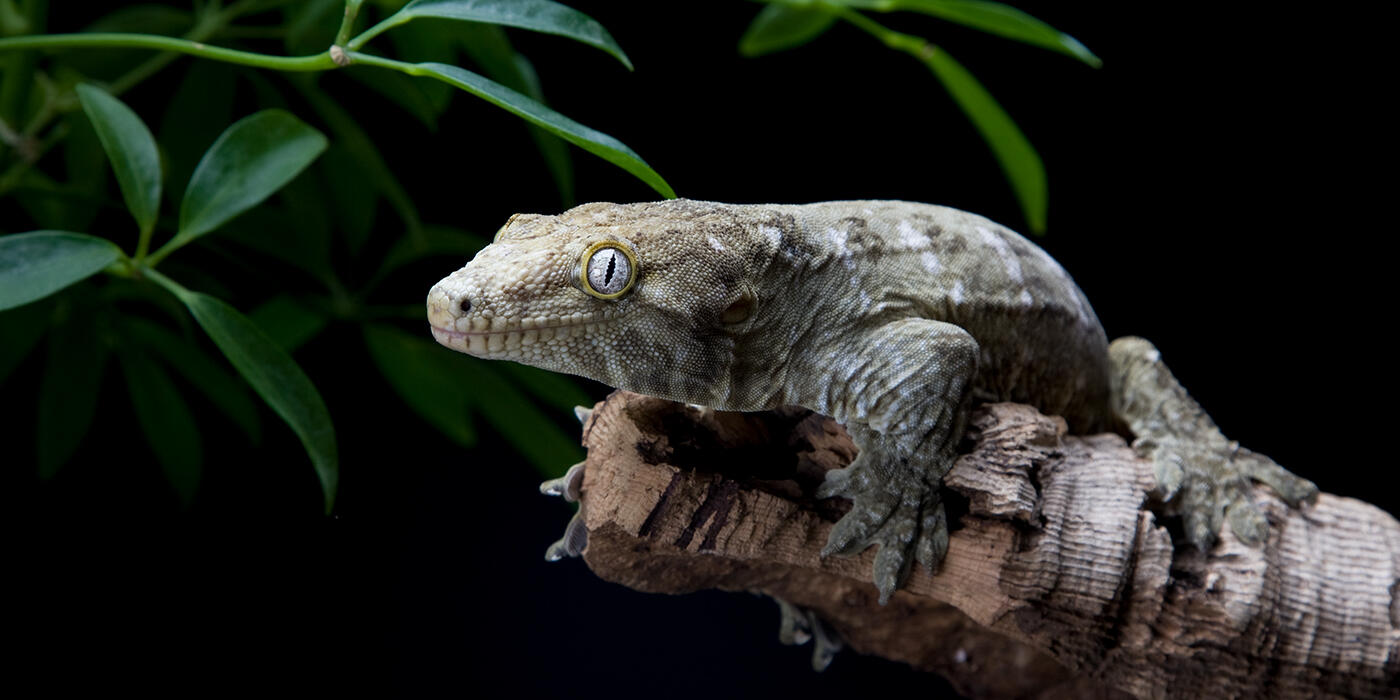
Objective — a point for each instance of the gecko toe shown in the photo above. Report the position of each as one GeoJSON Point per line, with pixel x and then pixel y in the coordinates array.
{"type": "Point", "coordinates": [573, 542]}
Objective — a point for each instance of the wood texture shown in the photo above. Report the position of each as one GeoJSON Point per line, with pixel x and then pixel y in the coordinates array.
{"type": "Point", "coordinates": [1060, 581]}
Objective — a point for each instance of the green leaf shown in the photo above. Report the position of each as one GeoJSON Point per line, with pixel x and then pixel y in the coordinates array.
{"type": "Point", "coordinates": [1018, 158]}
{"type": "Point", "coordinates": [778, 28]}
{"type": "Point", "coordinates": [253, 158]}
{"type": "Point", "coordinates": [525, 427]}
{"type": "Point", "coordinates": [595, 142]}
{"type": "Point", "coordinates": [288, 323]}
{"type": "Point", "coordinates": [166, 420]}
{"type": "Point", "coordinates": [132, 150]}
{"type": "Point", "coordinates": [273, 374]}
{"type": "Point", "coordinates": [36, 264]}
{"type": "Point", "coordinates": [422, 375]}
{"type": "Point", "coordinates": [221, 388]}
{"type": "Point", "coordinates": [68, 390]}
{"type": "Point", "coordinates": [993, 18]}
{"type": "Point", "coordinates": [534, 15]}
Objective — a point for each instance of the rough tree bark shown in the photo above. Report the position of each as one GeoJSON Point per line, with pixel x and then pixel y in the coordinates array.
{"type": "Point", "coordinates": [1062, 578]}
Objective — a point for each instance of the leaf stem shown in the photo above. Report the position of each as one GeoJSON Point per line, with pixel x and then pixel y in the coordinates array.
{"type": "Point", "coordinates": [347, 23]}
{"type": "Point", "coordinates": [388, 23]}
{"type": "Point", "coordinates": [314, 62]}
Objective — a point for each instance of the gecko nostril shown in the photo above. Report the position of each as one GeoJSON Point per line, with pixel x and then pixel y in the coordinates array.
{"type": "Point", "coordinates": [465, 305]}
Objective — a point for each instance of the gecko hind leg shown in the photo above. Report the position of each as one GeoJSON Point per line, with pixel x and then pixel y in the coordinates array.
{"type": "Point", "coordinates": [1201, 475]}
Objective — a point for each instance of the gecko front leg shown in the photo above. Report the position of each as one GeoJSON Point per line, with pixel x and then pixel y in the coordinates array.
{"type": "Point", "coordinates": [905, 407]}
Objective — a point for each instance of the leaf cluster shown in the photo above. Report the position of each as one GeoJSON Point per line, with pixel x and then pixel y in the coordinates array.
{"type": "Point", "coordinates": [264, 185]}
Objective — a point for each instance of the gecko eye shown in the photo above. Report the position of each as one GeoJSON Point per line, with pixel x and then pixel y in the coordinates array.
{"type": "Point", "coordinates": [608, 269]}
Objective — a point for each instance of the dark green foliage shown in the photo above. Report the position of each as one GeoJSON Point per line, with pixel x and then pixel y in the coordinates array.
{"type": "Point", "coordinates": [787, 24]}
{"type": "Point", "coordinates": [272, 186]}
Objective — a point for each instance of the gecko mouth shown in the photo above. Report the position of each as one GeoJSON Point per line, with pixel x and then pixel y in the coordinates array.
{"type": "Point", "coordinates": [513, 342]}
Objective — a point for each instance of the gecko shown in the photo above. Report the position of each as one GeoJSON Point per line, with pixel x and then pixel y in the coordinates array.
{"type": "Point", "coordinates": [894, 318]}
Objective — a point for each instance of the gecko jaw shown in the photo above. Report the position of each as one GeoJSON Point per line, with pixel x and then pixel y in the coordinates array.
{"type": "Point", "coordinates": [531, 337]}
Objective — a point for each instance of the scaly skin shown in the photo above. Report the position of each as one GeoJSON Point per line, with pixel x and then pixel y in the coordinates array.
{"type": "Point", "coordinates": [891, 317]}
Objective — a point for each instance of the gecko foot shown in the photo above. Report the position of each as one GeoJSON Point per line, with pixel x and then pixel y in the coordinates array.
{"type": "Point", "coordinates": [902, 514]}
{"type": "Point", "coordinates": [1201, 475]}
{"type": "Point", "coordinates": [1208, 482]}
{"type": "Point", "coordinates": [575, 536]}
{"type": "Point", "coordinates": [800, 625]}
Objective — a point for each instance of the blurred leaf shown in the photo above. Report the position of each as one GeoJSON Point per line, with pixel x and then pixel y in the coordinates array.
{"type": "Point", "coordinates": [491, 50]}
{"type": "Point", "coordinates": [106, 65]}
{"type": "Point", "coordinates": [221, 388]}
{"type": "Point", "coordinates": [131, 149]}
{"type": "Point", "coordinates": [557, 390]}
{"type": "Point", "coordinates": [429, 42]}
{"type": "Point", "coordinates": [85, 165]}
{"type": "Point", "coordinates": [68, 389]}
{"type": "Point", "coordinates": [270, 230]}
{"type": "Point", "coordinates": [779, 27]}
{"type": "Point", "coordinates": [289, 324]}
{"type": "Point", "coordinates": [534, 15]}
{"type": "Point", "coordinates": [422, 374]}
{"type": "Point", "coordinates": [595, 142]}
{"type": "Point", "coordinates": [353, 200]}
{"type": "Point", "coordinates": [434, 240]}
{"type": "Point", "coordinates": [36, 264]}
{"type": "Point", "coordinates": [17, 79]}
{"type": "Point", "coordinates": [311, 25]}
{"type": "Point", "coordinates": [402, 90]}
{"type": "Point", "coordinates": [166, 420]}
{"type": "Point", "coordinates": [367, 170]}
{"type": "Point", "coordinates": [21, 328]}
{"type": "Point", "coordinates": [304, 203]}
{"type": "Point", "coordinates": [253, 158]}
{"type": "Point", "coordinates": [1017, 156]}
{"type": "Point", "coordinates": [531, 432]}
{"type": "Point", "coordinates": [198, 109]}
{"type": "Point", "coordinates": [145, 19]}
{"type": "Point", "coordinates": [273, 374]}
{"type": "Point", "coordinates": [993, 18]}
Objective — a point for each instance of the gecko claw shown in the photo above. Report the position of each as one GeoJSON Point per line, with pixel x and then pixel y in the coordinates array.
{"type": "Point", "coordinates": [582, 413]}
{"type": "Point", "coordinates": [800, 625]}
{"type": "Point", "coordinates": [569, 486]}
{"type": "Point", "coordinates": [573, 542]}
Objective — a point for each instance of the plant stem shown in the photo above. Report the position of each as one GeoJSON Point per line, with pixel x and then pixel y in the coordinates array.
{"type": "Point", "coordinates": [899, 41]}
{"type": "Point", "coordinates": [314, 62]}
{"type": "Point", "coordinates": [388, 23]}
{"type": "Point", "coordinates": [347, 23]}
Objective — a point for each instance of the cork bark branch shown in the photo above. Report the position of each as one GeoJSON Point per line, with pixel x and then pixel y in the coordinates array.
{"type": "Point", "coordinates": [1062, 578]}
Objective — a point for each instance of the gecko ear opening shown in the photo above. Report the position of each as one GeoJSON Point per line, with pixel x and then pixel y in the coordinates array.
{"type": "Point", "coordinates": [740, 310]}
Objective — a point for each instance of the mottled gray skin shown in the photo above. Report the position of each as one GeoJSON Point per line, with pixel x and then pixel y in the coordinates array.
{"type": "Point", "coordinates": [891, 317]}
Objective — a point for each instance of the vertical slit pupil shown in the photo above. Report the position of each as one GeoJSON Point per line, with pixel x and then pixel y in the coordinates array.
{"type": "Point", "coordinates": [612, 265]}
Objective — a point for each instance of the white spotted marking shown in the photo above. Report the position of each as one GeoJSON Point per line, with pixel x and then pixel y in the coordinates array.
{"type": "Point", "coordinates": [838, 239]}
{"type": "Point", "coordinates": [773, 235]}
{"type": "Point", "coordinates": [1008, 257]}
{"type": "Point", "coordinates": [1026, 299]}
{"type": "Point", "coordinates": [930, 262]}
{"type": "Point", "coordinates": [714, 243]}
{"type": "Point", "coordinates": [911, 237]}
{"type": "Point", "coordinates": [957, 293]}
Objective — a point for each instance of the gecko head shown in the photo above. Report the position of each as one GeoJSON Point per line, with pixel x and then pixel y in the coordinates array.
{"type": "Point", "coordinates": [645, 297]}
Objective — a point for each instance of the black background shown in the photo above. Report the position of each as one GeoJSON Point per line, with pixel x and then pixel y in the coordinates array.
{"type": "Point", "coordinates": [1222, 186]}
